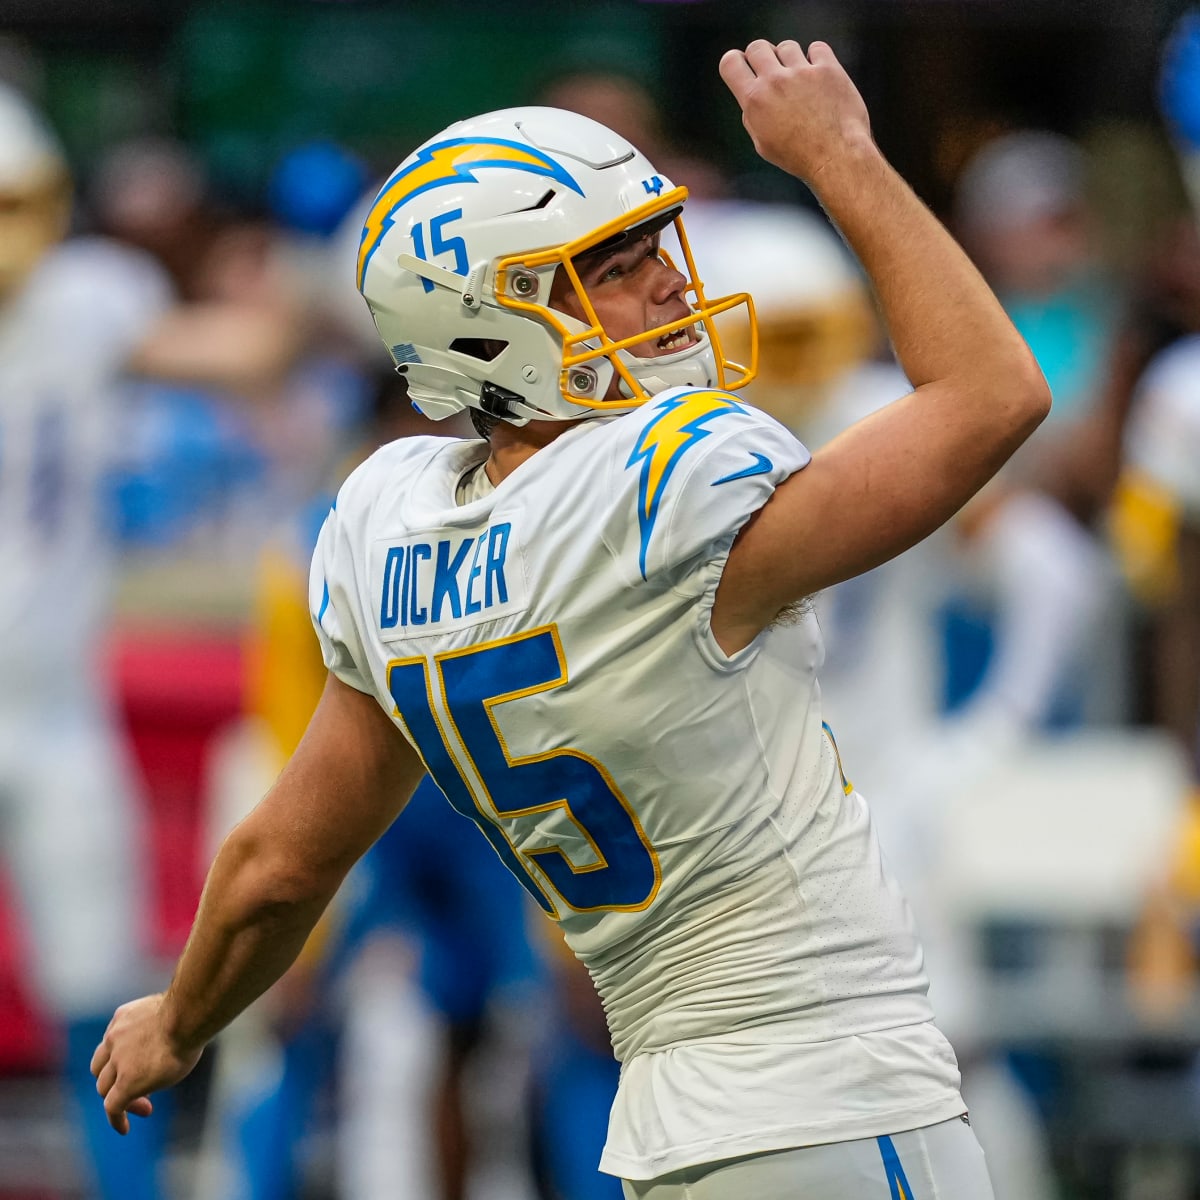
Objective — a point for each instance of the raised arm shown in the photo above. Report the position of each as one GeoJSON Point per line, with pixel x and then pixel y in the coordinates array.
{"type": "Point", "coordinates": [893, 478]}
{"type": "Point", "coordinates": [276, 871]}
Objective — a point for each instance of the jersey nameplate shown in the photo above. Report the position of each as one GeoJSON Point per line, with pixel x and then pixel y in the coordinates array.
{"type": "Point", "coordinates": [428, 584]}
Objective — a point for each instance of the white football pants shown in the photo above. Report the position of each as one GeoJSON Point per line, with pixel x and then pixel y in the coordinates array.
{"type": "Point", "coordinates": [939, 1162]}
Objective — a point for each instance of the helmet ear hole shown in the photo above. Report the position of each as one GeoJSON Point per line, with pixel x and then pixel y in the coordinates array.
{"type": "Point", "coordinates": [483, 349]}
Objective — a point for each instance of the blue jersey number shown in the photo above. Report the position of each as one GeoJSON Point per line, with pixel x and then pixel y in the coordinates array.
{"type": "Point", "coordinates": [48, 479]}
{"type": "Point", "coordinates": [623, 872]}
{"type": "Point", "coordinates": [44, 450]}
{"type": "Point", "coordinates": [439, 244]}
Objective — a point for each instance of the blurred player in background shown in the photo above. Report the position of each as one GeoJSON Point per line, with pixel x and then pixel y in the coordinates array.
{"type": "Point", "coordinates": [1154, 524]}
{"type": "Point", "coordinates": [1156, 528]}
{"type": "Point", "coordinates": [75, 316]}
{"type": "Point", "coordinates": [1162, 443]}
{"type": "Point", "coordinates": [71, 823]}
{"type": "Point", "coordinates": [1158, 522]}
{"type": "Point", "coordinates": [594, 631]}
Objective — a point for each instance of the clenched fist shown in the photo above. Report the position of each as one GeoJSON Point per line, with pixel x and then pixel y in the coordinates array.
{"type": "Point", "coordinates": [801, 111]}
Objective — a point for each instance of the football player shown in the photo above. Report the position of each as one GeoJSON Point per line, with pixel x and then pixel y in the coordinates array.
{"type": "Point", "coordinates": [590, 628]}
{"type": "Point", "coordinates": [74, 316]}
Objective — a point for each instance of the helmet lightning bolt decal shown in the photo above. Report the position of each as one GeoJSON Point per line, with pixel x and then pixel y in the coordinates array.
{"type": "Point", "coordinates": [451, 161]}
{"type": "Point", "coordinates": [897, 1181]}
{"type": "Point", "coordinates": [679, 424]}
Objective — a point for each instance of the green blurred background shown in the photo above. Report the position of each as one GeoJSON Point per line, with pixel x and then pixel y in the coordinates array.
{"type": "Point", "coordinates": [243, 82]}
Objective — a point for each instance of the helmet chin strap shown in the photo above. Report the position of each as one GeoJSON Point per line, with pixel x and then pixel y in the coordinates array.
{"type": "Point", "coordinates": [694, 367]}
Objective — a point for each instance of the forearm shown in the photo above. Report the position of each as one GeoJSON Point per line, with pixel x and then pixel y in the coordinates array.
{"type": "Point", "coordinates": [225, 345]}
{"type": "Point", "coordinates": [251, 925]}
{"type": "Point", "coordinates": [275, 873]}
{"type": "Point", "coordinates": [944, 321]}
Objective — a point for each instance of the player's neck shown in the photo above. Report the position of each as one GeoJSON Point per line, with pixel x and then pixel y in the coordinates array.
{"type": "Point", "coordinates": [511, 445]}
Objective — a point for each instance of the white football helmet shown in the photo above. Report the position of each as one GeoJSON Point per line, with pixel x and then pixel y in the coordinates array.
{"type": "Point", "coordinates": [460, 249]}
{"type": "Point", "coordinates": [34, 189]}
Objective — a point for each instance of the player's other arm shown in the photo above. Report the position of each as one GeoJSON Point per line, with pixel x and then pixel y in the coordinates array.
{"type": "Point", "coordinates": [272, 878]}
{"type": "Point", "coordinates": [893, 478]}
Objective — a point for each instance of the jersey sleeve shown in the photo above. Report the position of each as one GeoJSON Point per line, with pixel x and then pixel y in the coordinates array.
{"type": "Point", "coordinates": [1163, 438]}
{"type": "Point", "coordinates": [331, 593]}
{"type": "Point", "coordinates": [707, 462]}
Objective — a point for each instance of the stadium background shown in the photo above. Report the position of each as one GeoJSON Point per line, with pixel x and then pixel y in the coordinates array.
{"type": "Point", "coordinates": [244, 82]}
{"type": "Point", "coordinates": [241, 85]}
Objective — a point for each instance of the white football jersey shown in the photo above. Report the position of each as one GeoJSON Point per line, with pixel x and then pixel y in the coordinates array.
{"type": "Point", "coordinates": [546, 647]}
{"type": "Point", "coordinates": [64, 340]}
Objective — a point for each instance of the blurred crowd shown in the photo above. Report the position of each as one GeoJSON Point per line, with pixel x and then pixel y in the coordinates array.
{"type": "Point", "coordinates": [185, 383]}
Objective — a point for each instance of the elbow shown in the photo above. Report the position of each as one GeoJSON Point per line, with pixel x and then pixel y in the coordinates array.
{"type": "Point", "coordinates": [1029, 396]}
{"type": "Point", "coordinates": [1040, 399]}
{"type": "Point", "coordinates": [262, 878]}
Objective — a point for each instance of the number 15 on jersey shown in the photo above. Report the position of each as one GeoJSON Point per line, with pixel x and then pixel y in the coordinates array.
{"type": "Point", "coordinates": [469, 760]}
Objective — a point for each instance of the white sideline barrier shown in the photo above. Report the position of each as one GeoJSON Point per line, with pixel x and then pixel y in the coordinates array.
{"type": "Point", "coordinates": [1072, 828]}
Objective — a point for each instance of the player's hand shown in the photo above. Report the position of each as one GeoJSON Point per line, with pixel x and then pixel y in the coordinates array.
{"type": "Point", "coordinates": [136, 1058]}
{"type": "Point", "coordinates": [802, 111]}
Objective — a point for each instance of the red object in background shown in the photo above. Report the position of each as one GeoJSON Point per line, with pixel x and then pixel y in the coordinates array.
{"type": "Point", "coordinates": [177, 691]}
{"type": "Point", "coordinates": [25, 1043]}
